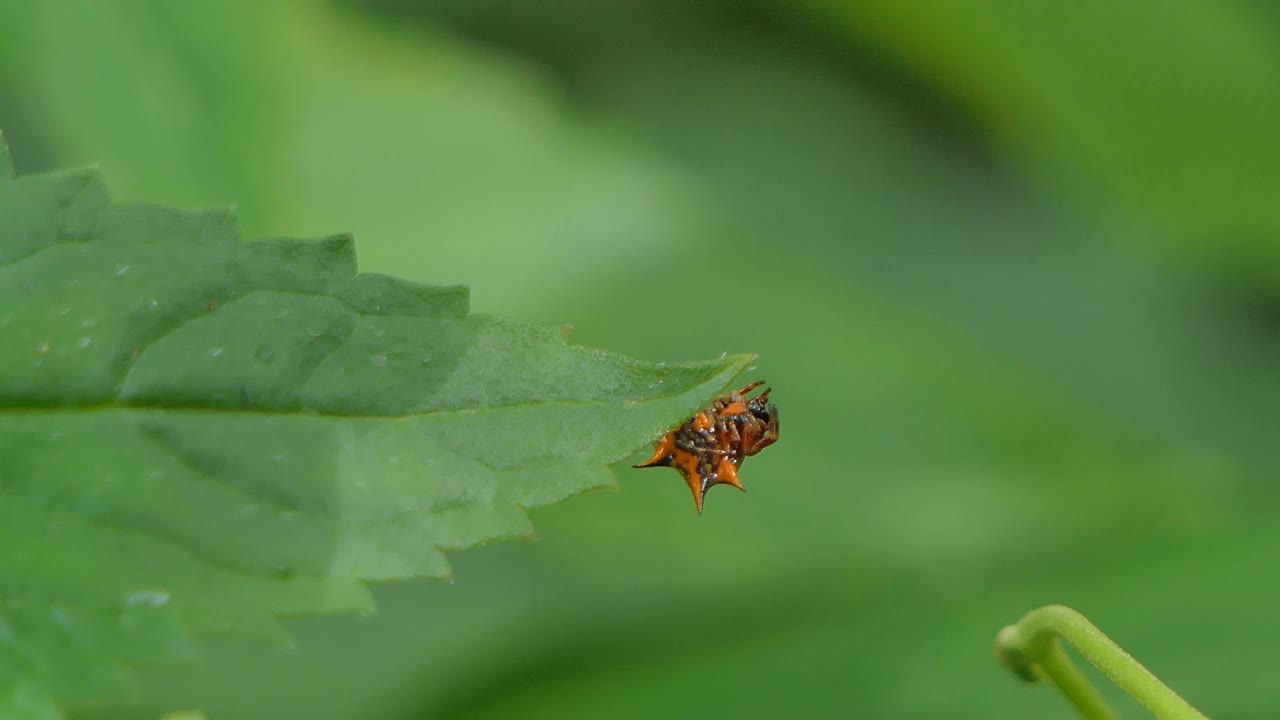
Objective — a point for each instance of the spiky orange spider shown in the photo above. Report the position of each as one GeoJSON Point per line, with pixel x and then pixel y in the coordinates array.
{"type": "Point", "coordinates": [709, 448]}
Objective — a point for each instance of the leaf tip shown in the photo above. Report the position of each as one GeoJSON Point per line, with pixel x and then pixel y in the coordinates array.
{"type": "Point", "coordinates": [738, 363]}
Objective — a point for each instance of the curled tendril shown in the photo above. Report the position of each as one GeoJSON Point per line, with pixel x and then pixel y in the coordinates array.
{"type": "Point", "coordinates": [1031, 649]}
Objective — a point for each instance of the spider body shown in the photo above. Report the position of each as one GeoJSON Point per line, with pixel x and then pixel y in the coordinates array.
{"type": "Point", "coordinates": [709, 447]}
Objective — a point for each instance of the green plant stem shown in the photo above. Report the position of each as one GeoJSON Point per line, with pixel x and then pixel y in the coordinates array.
{"type": "Point", "coordinates": [1058, 667]}
{"type": "Point", "coordinates": [1030, 649]}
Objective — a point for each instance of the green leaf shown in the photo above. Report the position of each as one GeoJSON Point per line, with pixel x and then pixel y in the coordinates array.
{"type": "Point", "coordinates": [199, 434]}
{"type": "Point", "coordinates": [482, 149]}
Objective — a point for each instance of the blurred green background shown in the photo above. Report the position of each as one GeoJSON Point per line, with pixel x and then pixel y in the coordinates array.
{"type": "Point", "coordinates": [1013, 271]}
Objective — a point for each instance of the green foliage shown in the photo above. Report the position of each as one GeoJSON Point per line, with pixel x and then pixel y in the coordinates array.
{"type": "Point", "coordinates": [1121, 116]}
{"type": "Point", "coordinates": [271, 107]}
{"type": "Point", "coordinates": [201, 435]}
